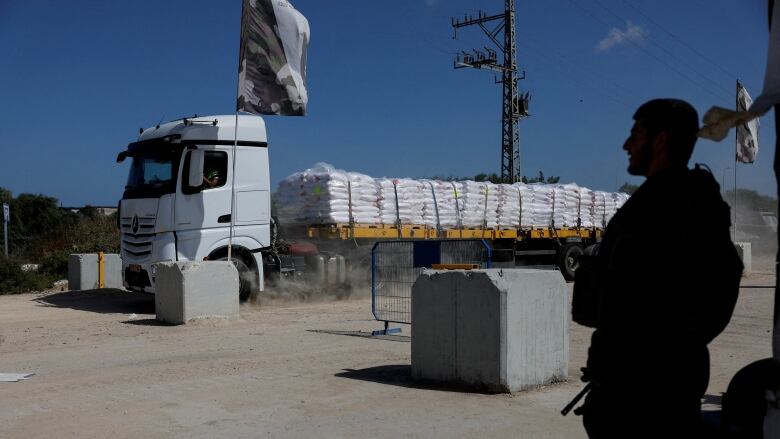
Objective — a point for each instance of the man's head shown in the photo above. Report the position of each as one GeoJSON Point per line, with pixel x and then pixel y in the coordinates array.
{"type": "Point", "coordinates": [663, 136]}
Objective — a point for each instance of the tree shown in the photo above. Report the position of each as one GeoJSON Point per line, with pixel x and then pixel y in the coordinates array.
{"type": "Point", "coordinates": [541, 179]}
{"type": "Point", "coordinates": [89, 211]}
{"type": "Point", "coordinates": [493, 178]}
{"type": "Point", "coordinates": [628, 188]}
{"type": "Point", "coordinates": [35, 215]}
{"type": "Point", "coordinates": [496, 179]}
{"type": "Point", "coordinates": [5, 195]}
{"type": "Point", "coordinates": [40, 232]}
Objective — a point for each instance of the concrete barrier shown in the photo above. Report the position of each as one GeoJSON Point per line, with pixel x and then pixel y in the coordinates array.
{"type": "Point", "coordinates": [501, 330]}
{"type": "Point", "coordinates": [83, 271]}
{"type": "Point", "coordinates": [746, 254]}
{"type": "Point", "coordinates": [188, 290]}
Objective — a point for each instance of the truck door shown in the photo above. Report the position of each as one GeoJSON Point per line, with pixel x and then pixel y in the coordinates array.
{"type": "Point", "coordinates": [203, 216]}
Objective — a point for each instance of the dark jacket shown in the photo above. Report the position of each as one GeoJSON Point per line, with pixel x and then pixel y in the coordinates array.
{"type": "Point", "coordinates": [657, 311]}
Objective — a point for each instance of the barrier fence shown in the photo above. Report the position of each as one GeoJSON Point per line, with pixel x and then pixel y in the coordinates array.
{"type": "Point", "coordinates": [395, 265]}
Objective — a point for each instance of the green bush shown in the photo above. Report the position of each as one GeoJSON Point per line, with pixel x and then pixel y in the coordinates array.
{"type": "Point", "coordinates": [40, 232]}
{"type": "Point", "coordinates": [14, 280]}
{"type": "Point", "coordinates": [55, 265]}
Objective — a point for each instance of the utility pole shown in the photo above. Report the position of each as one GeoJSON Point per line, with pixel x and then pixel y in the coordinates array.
{"type": "Point", "coordinates": [515, 105]}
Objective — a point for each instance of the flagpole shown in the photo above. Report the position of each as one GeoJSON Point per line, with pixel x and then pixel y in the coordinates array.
{"type": "Point", "coordinates": [736, 147]}
{"type": "Point", "coordinates": [235, 143]}
{"type": "Point", "coordinates": [233, 190]}
{"type": "Point", "coordinates": [735, 200]}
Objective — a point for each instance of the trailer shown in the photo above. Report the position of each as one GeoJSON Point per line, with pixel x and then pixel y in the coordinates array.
{"type": "Point", "coordinates": [551, 246]}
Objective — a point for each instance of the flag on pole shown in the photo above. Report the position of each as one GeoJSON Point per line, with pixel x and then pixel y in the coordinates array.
{"type": "Point", "coordinates": [272, 60]}
{"type": "Point", "coordinates": [747, 133]}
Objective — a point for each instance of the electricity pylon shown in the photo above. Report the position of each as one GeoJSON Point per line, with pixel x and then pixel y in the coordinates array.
{"type": "Point", "coordinates": [515, 105]}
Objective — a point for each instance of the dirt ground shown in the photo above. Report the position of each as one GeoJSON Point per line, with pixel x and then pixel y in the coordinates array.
{"type": "Point", "coordinates": [105, 368]}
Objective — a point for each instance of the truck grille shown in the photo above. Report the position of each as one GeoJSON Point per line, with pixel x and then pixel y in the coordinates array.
{"type": "Point", "coordinates": [137, 246]}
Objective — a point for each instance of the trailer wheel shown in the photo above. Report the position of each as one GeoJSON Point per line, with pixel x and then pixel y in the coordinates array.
{"type": "Point", "coordinates": [569, 259]}
{"type": "Point", "coordinates": [246, 283]}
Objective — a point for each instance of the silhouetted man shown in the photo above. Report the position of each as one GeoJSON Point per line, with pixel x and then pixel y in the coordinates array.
{"type": "Point", "coordinates": [667, 275]}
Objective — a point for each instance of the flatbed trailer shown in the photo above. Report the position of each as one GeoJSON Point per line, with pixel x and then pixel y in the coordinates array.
{"type": "Point", "coordinates": [559, 246]}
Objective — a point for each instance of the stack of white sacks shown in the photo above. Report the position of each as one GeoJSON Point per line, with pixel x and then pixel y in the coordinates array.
{"type": "Point", "coordinates": [566, 205]}
{"type": "Point", "coordinates": [323, 194]}
{"type": "Point", "coordinates": [510, 199]}
{"type": "Point", "coordinates": [587, 208]}
{"type": "Point", "coordinates": [327, 195]}
{"type": "Point", "coordinates": [441, 203]}
{"type": "Point", "coordinates": [605, 205]}
{"type": "Point", "coordinates": [539, 205]}
{"type": "Point", "coordinates": [400, 201]}
{"type": "Point", "coordinates": [479, 204]}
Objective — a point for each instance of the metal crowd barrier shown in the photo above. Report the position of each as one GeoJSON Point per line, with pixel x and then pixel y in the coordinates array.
{"type": "Point", "coordinates": [395, 266]}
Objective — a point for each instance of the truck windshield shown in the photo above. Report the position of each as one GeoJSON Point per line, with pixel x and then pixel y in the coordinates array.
{"type": "Point", "coordinates": [152, 172]}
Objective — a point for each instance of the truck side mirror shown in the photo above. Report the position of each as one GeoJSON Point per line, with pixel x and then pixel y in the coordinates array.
{"type": "Point", "coordinates": [195, 178]}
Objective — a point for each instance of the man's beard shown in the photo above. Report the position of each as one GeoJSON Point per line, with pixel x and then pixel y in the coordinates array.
{"type": "Point", "coordinates": [641, 161]}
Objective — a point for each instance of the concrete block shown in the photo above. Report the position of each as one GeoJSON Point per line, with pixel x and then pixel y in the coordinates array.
{"type": "Point", "coordinates": [501, 330]}
{"type": "Point", "coordinates": [83, 271]}
{"type": "Point", "coordinates": [188, 290]}
{"type": "Point", "coordinates": [746, 254]}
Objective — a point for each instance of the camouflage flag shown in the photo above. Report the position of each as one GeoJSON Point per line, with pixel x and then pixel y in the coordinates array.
{"type": "Point", "coordinates": [747, 133]}
{"type": "Point", "coordinates": [272, 63]}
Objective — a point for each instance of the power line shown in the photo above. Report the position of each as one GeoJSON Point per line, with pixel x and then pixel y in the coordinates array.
{"type": "Point", "coordinates": [582, 80]}
{"type": "Point", "coordinates": [648, 53]}
{"type": "Point", "coordinates": [679, 40]}
{"type": "Point", "coordinates": [596, 77]}
{"type": "Point", "coordinates": [652, 55]}
{"type": "Point", "coordinates": [672, 55]}
{"type": "Point", "coordinates": [408, 28]}
{"type": "Point", "coordinates": [592, 85]}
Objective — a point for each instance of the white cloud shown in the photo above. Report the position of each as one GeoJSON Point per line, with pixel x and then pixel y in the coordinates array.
{"type": "Point", "coordinates": [619, 37]}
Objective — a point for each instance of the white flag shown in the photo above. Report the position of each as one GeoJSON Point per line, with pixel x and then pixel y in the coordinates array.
{"type": "Point", "coordinates": [747, 133]}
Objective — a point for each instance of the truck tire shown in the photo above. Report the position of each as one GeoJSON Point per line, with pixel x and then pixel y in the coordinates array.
{"type": "Point", "coordinates": [568, 259]}
{"type": "Point", "coordinates": [246, 283]}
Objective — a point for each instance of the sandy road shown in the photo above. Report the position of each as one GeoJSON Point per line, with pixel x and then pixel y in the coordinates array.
{"type": "Point", "coordinates": [294, 370]}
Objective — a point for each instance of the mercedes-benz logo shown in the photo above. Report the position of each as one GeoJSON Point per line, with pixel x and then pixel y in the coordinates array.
{"type": "Point", "coordinates": [134, 224]}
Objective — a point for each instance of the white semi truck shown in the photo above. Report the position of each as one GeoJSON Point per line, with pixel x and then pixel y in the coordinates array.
{"type": "Point", "coordinates": [176, 205]}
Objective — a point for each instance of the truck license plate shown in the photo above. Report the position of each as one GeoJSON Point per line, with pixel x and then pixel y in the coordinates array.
{"type": "Point", "coordinates": [135, 268]}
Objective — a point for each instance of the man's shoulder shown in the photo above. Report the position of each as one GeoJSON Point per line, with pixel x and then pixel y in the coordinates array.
{"type": "Point", "coordinates": [700, 186]}
{"type": "Point", "coordinates": [682, 193]}
{"type": "Point", "coordinates": [701, 177]}
{"type": "Point", "coordinates": [702, 200]}
{"type": "Point", "coordinates": [697, 180]}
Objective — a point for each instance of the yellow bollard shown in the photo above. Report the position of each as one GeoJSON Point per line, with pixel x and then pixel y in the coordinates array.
{"type": "Point", "coordinates": [101, 270]}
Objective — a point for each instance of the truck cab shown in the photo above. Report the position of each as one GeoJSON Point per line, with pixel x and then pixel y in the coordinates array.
{"type": "Point", "coordinates": [177, 202]}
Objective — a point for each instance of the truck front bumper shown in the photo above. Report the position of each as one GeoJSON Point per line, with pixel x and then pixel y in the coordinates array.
{"type": "Point", "coordinates": [139, 275]}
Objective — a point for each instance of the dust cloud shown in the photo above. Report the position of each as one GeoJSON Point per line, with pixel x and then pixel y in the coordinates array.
{"type": "Point", "coordinates": [756, 223]}
{"type": "Point", "coordinates": [309, 287]}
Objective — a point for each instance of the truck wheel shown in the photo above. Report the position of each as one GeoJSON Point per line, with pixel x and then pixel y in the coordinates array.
{"type": "Point", "coordinates": [569, 260]}
{"type": "Point", "coordinates": [246, 283]}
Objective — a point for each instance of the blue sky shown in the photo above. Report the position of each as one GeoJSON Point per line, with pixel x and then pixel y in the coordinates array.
{"type": "Point", "coordinates": [77, 80]}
